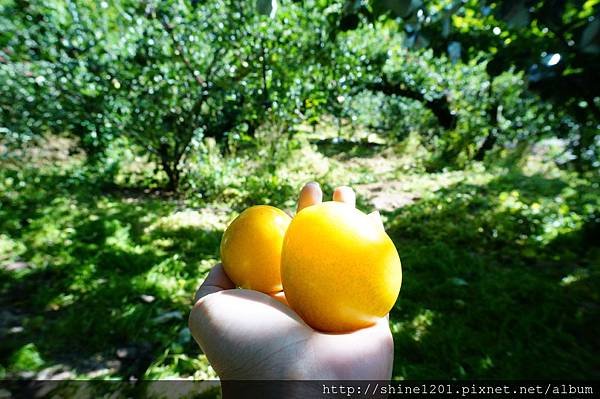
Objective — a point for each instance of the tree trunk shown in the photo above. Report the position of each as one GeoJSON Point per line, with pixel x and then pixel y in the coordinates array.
{"type": "Point", "coordinates": [173, 184]}
{"type": "Point", "coordinates": [487, 145]}
{"type": "Point", "coordinates": [170, 167]}
{"type": "Point", "coordinates": [439, 106]}
{"type": "Point", "coordinates": [492, 136]}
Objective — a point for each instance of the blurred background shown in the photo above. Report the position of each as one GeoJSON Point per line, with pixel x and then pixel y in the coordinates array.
{"type": "Point", "coordinates": [132, 132]}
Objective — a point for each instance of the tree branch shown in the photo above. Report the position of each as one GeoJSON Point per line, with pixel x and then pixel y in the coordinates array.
{"type": "Point", "coordinates": [169, 29]}
{"type": "Point", "coordinates": [438, 106]}
{"type": "Point", "coordinates": [151, 14]}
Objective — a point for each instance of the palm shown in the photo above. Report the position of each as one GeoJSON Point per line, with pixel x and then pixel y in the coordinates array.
{"type": "Point", "coordinates": [249, 335]}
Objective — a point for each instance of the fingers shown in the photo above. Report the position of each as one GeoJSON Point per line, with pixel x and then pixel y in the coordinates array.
{"type": "Point", "coordinates": [310, 194]}
{"type": "Point", "coordinates": [216, 281]}
{"type": "Point", "coordinates": [345, 194]}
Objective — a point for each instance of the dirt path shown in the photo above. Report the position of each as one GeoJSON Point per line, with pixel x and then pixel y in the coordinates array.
{"type": "Point", "coordinates": [392, 190]}
{"type": "Point", "coordinates": [387, 196]}
{"type": "Point", "coordinates": [399, 185]}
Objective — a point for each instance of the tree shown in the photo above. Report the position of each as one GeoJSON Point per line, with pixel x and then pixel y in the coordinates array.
{"type": "Point", "coordinates": [163, 74]}
{"type": "Point", "coordinates": [57, 64]}
{"type": "Point", "coordinates": [555, 43]}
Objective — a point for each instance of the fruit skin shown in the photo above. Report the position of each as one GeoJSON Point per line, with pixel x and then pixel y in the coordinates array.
{"type": "Point", "coordinates": [340, 270]}
{"type": "Point", "coordinates": [251, 248]}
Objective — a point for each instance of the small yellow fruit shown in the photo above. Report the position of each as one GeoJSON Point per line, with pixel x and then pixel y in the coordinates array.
{"type": "Point", "coordinates": [339, 268]}
{"type": "Point", "coordinates": [251, 248]}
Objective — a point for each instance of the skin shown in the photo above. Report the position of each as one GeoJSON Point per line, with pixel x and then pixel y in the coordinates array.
{"type": "Point", "coordinates": [248, 335]}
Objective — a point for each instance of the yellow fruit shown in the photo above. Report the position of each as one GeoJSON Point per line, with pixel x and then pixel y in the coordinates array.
{"type": "Point", "coordinates": [251, 248]}
{"type": "Point", "coordinates": [340, 270]}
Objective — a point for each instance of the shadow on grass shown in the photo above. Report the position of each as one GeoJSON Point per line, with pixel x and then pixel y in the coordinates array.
{"type": "Point", "coordinates": [347, 149]}
{"type": "Point", "coordinates": [99, 284]}
{"type": "Point", "coordinates": [488, 292]}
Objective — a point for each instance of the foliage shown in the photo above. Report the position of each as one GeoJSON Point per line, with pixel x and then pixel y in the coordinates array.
{"type": "Point", "coordinates": [556, 43]}
{"type": "Point", "coordinates": [54, 63]}
{"type": "Point", "coordinates": [151, 73]}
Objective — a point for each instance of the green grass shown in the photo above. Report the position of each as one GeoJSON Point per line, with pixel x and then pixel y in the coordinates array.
{"type": "Point", "coordinates": [500, 281]}
{"type": "Point", "coordinates": [501, 267]}
{"type": "Point", "coordinates": [93, 258]}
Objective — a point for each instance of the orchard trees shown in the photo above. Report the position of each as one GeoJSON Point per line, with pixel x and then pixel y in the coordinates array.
{"type": "Point", "coordinates": [56, 66]}
{"type": "Point", "coordinates": [466, 76]}
{"type": "Point", "coordinates": [163, 74]}
{"type": "Point", "coordinates": [554, 44]}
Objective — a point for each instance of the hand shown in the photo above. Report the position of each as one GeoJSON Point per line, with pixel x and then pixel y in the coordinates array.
{"type": "Point", "coordinates": [246, 334]}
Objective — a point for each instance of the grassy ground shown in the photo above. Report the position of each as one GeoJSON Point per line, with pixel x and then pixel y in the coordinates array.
{"type": "Point", "coordinates": [501, 265]}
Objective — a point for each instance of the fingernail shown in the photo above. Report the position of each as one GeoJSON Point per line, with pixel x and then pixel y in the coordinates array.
{"type": "Point", "coordinates": [345, 194]}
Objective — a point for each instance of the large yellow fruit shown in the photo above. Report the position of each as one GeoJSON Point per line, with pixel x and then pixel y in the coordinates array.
{"type": "Point", "coordinates": [251, 248]}
{"type": "Point", "coordinates": [340, 270]}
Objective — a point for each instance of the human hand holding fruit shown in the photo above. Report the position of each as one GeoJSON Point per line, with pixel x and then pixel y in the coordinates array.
{"type": "Point", "coordinates": [248, 334]}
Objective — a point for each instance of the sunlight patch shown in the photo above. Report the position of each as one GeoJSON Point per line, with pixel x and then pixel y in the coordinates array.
{"type": "Point", "coordinates": [165, 278]}
{"type": "Point", "coordinates": [10, 249]}
{"type": "Point", "coordinates": [486, 363]}
{"type": "Point", "coordinates": [304, 165]}
{"type": "Point", "coordinates": [417, 328]}
{"type": "Point", "coordinates": [173, 364]}
{"type": "Point", "coordinates": [209, 218]}
{"type": "Point", "coordinates": [577, 275]}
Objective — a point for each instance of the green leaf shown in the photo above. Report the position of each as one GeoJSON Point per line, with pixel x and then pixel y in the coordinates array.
{"type": "Point", "coordinates": [27, 358]}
